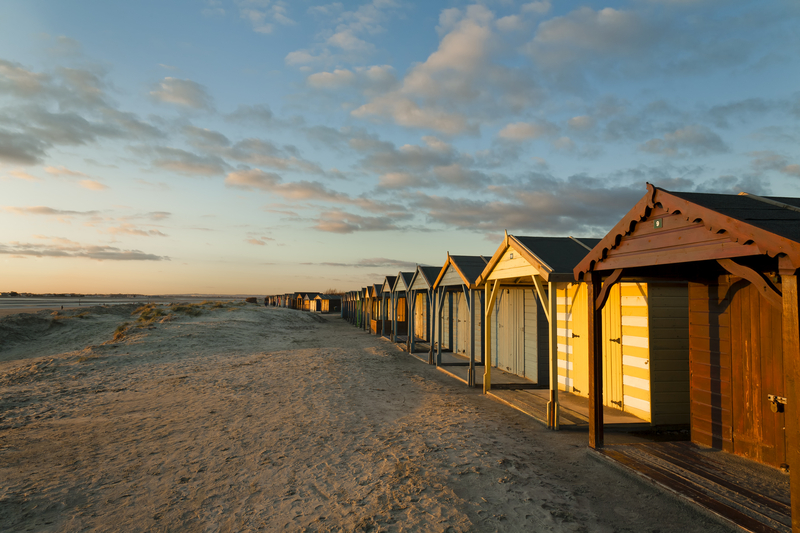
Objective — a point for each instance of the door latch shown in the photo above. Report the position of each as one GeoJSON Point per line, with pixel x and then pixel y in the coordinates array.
{"type": "Point", "coordinates": [575, 336]}
{"type": "Point", "coordinates": [776, 403]}
{"type": "Point", "coordinates": [618, 340]}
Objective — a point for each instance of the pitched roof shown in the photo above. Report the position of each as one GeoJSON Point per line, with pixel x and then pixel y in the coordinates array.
{"type": "Point", "coordinates": [755, 225]}
{"type": "Point", "coordinates": [405, 279]}
{"type": "Point", "coordinates": [427, 273]}
{"type": "Point", "coordinates": [469, 268]}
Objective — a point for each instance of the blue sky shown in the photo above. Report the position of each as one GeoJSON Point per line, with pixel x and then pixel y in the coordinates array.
{"type": "Point", "coordinates": [254, 146]}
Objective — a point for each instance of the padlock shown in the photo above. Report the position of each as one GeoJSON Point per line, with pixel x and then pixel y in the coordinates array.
{"type": "Point", "coordinates": [773, 406]}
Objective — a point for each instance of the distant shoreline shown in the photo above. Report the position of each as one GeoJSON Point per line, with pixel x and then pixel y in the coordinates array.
{"type": "Point", "coordinates": [11, 306]}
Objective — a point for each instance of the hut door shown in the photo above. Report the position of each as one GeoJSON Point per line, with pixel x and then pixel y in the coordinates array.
{"type": "Point", "coordinates": [612, 349]}
{"type": "Point", "coordinates": [420, 320]}
{"type": "Point", "coordinates": [756, 372]}
{"type": "Point", "coordinates": [531, 337]}
{"type": "Point", "coordinates": [463, 324]}
{"type": "Point", "coordinates": [501, 320]}
{"type": "Point", "coordinates": [518, 344]}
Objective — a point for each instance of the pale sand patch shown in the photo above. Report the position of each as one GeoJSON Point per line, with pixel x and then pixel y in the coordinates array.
{"type": "Point", "coordinates": [30, 310]}
{"type": "Point", "coordinates": [252, 418]}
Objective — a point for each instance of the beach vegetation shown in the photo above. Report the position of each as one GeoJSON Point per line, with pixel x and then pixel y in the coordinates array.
{"type": "Point", "coordinates": [119, 333]}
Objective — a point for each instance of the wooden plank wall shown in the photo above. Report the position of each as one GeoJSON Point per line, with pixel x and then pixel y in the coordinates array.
{"type": "Point", "coordinates": [756, 371]}
{"type": "Point", "coordinates": [669, 353]}
{"type": "Point", "coordinates": [710, 362]}
{"type": "Point", "coordinates": [572, 337]}
{"type": "Point", "coordinates": [421, 315]}
{"type": "Point", "coordinates": [635, 310]}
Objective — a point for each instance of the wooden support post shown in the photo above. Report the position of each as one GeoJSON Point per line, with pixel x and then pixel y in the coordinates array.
{"type": "Point", "coordinates": [410, 318]}
{"type": "Point", "coordinates": [791, 372]}
{"type": "Point", "coordinates": [552, 313]}
{"type": "Point", "coordinates": [383, 314]}
{"type": "Point", "coordinates": [439, 320]}
{"type": "Point", "coordinates": [394, 317]}
{"type": "Point", "coordinates": [595, 361]}
{"type": "Point", "coordinates": [431, 322]}
{"type": "Point", "coordinates": [491, 296]}
{"type": "Point", "coordinates": [471, 374]}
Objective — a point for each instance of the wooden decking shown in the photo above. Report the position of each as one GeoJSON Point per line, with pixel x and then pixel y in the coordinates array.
{"type": "Point", "coordinates": [752, 496]}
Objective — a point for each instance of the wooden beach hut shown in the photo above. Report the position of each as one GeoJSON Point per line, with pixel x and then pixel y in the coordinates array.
{"type": "Point", "coordinates": [458, 316]}
{"type": "Point", "coordinates": [364, 308]}
{"type": "Point", "coordinates": [328, 303]}
{"type": "Point", "coordinates": [740, 255]}
{"type": "Point", "coordinates": [375, 302]}
{"type": "Point", "coordinates": [307, 301]}
{"type": "Point", "coordinates": [399, 306]}
{"type": "Point", "coordinates": [419, 307]}
{"type": "Point", "coordinates": [386, 313]}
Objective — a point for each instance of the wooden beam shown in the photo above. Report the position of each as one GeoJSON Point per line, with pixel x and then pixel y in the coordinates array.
{"type": "Point", "coordinates": [603, 296]}
{"type": "Point", "coordinates": [552, 311]}
{"type": "Point", "coordinates": [769, 292]}
{"type": "Point", "coordinates": [791, 372]}
{"type": "Point", "coordinates": [543, 296]}
{"type": "Point", "coordinates": [595, 361]}
{"type": "Point", "coordinates": [491, 296]}
{"type": "Point", "coordinates": [471, 373]}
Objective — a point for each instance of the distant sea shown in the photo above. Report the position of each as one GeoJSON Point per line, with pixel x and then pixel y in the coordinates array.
{"type": "Point", "coordinates": [42, 303]}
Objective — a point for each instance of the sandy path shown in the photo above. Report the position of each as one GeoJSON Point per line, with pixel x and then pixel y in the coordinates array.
{"type": "Point", "coordinates": [272, 419]}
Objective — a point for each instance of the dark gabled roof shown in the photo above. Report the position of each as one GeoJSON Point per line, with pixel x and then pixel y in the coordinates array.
{"type": "Point", "coordinates": [388, 281]}
{"type": "Point", "coordinates": [776, 214]}
{"type": "Point", "coordinates": [756, 225]}
{"type": "Point", "coordinates": [561, 254]}
{"type": "Point", "coordinates": [405, 277]}
{"type": "Point", "coordinates": [553, 257]}
{"type": "Point", "coordinates": [469, 267]}
{"type": "Point", "coordinates": [329, 297]}
{"type": "Point", "coordinates": [428, 273]}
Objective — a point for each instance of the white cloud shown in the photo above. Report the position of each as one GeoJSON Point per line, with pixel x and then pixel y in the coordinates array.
{"type": "Point", "coordinates": [328, 80]}
{"type": "Point", "coordinates": [253, 179]}
{"type": "Point", "coordinates": [186, 93]}
{"type": "Point", "coordinates": [694, 139]}
{"type": "Point", "coordinates": [586, 33]}
{"type": "Point", "coordinates": [583, 122]}
{"type": "Point", "coordinates": [540, 8]}
{"type": "Point", "coordinates": [93, 185]}
{"type": "Point", "coordinates": [523, 131]}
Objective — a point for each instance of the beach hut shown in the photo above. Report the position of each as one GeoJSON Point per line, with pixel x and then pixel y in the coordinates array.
{"type": "Point", "coordinates": [387, 313]}
{"type": "Point", "coordinates": [740, 255]}
{"type": "Point", "coordinates": [328, 303]}
{"type": "Point", "coordinates": [400, 307]}
{"type": "Point", "coordinates": [375, 300]}
{"type": "Point", "coordinates": [458, 316]}
{"type": "Point", "coordinates": [363, 324]}
{"type": "Point", "coordinates": [419, 307]}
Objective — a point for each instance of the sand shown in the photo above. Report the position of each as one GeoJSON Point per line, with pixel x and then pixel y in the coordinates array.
{"type": "Point", "coordinates": [246, 418]}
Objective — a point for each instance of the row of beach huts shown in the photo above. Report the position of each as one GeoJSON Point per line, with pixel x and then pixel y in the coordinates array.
{"type": "Point", "coordinates": [686, 314]}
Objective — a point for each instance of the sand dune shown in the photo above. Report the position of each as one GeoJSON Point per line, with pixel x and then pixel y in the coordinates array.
{"type": "Point", "coordinates": [244, 418]}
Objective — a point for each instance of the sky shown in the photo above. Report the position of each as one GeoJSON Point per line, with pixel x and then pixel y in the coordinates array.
{"type": "Point", "coordinates": [261, 147]}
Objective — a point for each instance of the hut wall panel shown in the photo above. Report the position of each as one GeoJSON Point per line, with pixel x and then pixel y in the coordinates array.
{"type": "Point", "coordinates": [451, 277]}
{"type": "Point", "coordinates": [572, 348]}
{"type": "Point", "coordinates": [636, 349]}
{"type": "Point", "coordinates": [478, 311]}
{"type": "Point", "coordinates": [710, 387]}
{"type": "Point", "coordinates": [509, 267]}
{"type": "Point", "coordinates": [530, 345]}
{"type": "Point", "coordinates": [669, 355]}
